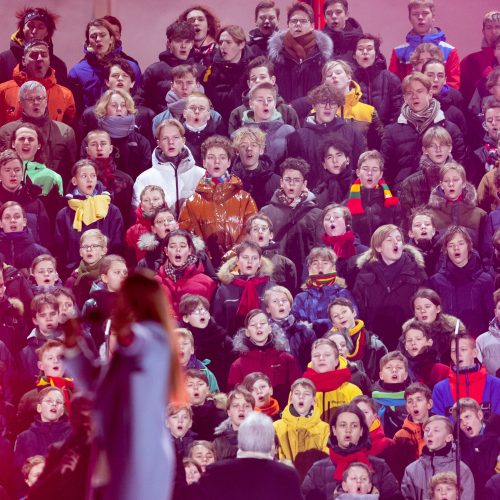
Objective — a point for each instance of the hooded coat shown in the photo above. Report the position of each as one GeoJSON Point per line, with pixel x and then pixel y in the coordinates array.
{"type": "Point", "coordinates": [228, 295]}
{"type": "Point", "coordinates": [294, 228]}
{"type": "Point", "coordinates": [380, 88]}
{"type": "Point", "coordinates": [133, 234]}
{"type": "Point", "coordinates": [488, 344]}
{"type": "Point", "coordinates": [60, 101]}
{"type": "Point", "coordinates": [417, 477]}
{"type": "Point", "coordinates": [466, 292]}
{"type": "Point", "coordinates": [400, 57]}
{"type": "Point", "coordinates": [177, 181]}
{"type": "Point", "coordinates": [402, 147]}
{"type": "Point", "coordinates": [385, 306]}
{"type": "Point", "coordinates": [217, 214]}
{"type": "Point", "coordinates": [273, 359]}
{"type": "Point", "coordinates": [295, 78]}
{"type": "Point", "coordinates": [459, 213]}
{"type": "Point", "coordinates": [304, 143]}
{"type": "Point", "coordinates": [344, 41]}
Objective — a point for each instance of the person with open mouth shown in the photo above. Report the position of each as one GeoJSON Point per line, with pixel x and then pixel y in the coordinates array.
{"type": "Point", "coordinates": [389, 274]}
{"type": "Point", "coordinates": [371, 202]}
{"type": "Point", "coordinates": [43, 275]}
{"type": "Point", "coordinates": [182, 271]}
{"type": "Point", "coordinates": [262, 347]}
{"type": "Point", "coordinates": [263, 114]}
{"type": "Point", "coordinates": [349, 442]}
{"type": "Point", "coordinates": [471, 298]}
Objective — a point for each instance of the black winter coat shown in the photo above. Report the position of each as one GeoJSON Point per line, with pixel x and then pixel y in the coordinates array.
{"type": "Point", "coordinates": [224, 82]}
{"type": "Point", "coordinates": [17, 286]}
{"type": "Point", "coordinates": [376, 214]}
{"type": "Point", "coordinates": [344, 42]}
{"type": "Point", "coordinates": [12, 327]}
{"type": "Point", "coordinates": [260, 183]}
{"type": "Point", "coordinates": [402, 148]}
{"type": "Point", "coordinates": [466, 292]}
{"type": "Point", "coordinates": [305, 144]}
{"type": "Point", "coordinates": [381, 88]}
{"type": "Point", "coordinates": [19, 249]}
{"type": "Point", "coordinates": [295, 78]}
{"type": "Point", "coordinates": [206, 418]}
{"type": "Point", "coordinates": [157, 80]}
{"type": "Point", "coordinates": [384, 307]}
{"type": "Point", "coordinates": [333, 188]}
{"type": "Point", "coordinates": [194, 139]}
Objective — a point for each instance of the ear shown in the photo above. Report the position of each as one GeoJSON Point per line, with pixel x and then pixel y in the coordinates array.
{"type": "Point", "coordinates": [104, 278]}
{"type": "Point", "coordinates": [39, 408]}
{"type": "Point", "coordinates": [132, 85]}
{"type": "Point", "coordinates": [429, 342]}
{"type": "Point", "coordinates": [430, 404]}
{"type": "Point", "coordinates": [246, 333]}
{"type": "Point", "coordinates": [39, 365]}
{"type": "Point", "coordinates": [305, 182]}
{"type": "Point", "coordinates": [449, 438]}
{"type": "Point", "coordinates": [73, 181]}
{"type": "Point", "coordinates": [271, 235]}
{"type": "Point", "coordinates": [410, 233]}
{"type": "Point", "coordinates": [185, 318]}
{"type": "Point", "coordinates": [480, 415]}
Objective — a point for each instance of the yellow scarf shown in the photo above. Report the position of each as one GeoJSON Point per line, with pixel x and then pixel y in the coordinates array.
{"type": "Point", "coordinates": [89, 210]}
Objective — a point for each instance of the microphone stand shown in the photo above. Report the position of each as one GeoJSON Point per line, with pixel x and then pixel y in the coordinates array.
{"type": "Point", "coordinates": [457, 396]}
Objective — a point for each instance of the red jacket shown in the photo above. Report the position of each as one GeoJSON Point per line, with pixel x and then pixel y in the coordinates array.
{"type": "Point", "coordinates": [134, 232]}
{"type": "Point", "coordinates": [60, 101]}
{"type": "Point", "coordinates": [380, 442]}
{"type": "Point", "coordinates": [192, 281]}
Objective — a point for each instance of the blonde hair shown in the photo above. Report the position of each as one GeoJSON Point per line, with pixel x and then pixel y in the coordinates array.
{"type": "Point", "coordinates": [184, 333]}
{"type": "Point", "coordinates": [452, 165]}
{"type": "Point", "coordinates": [171, 122]}
{"type": "Point", "coordinates": [433, 50]}
{"type": "Point", "coordinates": [416, 76]}
{"type": "Point", "coordinates": [277, 289]}
{"type": "Point", "coordinates": [95, 233]}
{"type": "Point", "coordinates": [324, 252]}
{"type": "Point", "coordinates": [372, 154]}
{"type": "Point", "coordinates": [439, 418]}
{"type": "Point", "coordinates": [254, 133]}
{"type": "Point", "coordinates": [380, 234]}
{"type": "Point", "coordinates": [443, 478]}
{"type": "Point", "coordinates": [102, 103]}
{"type": "Point", "coordinates": [329, 65]}
{"type": "Point", "coordinates": [440, 134]}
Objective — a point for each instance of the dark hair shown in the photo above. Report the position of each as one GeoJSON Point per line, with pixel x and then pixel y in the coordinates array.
{"type": "Point", "coordinates": [41, 14]}
{"type": "Point", "coordinates": [80, 164]}
{"type": "Point", "coordinates": [260, 62]}
{"type": "Point", "coordinates": [40, 154]}
{"type": "Point", "coordinates": [182, 233]}
{"type": "Point", "coordinates": [114, 21]}
{"type": "Point", "coordinates": [451, 232]}
{"type": "Point", "coordinates": [182, 69]}
{"type": "Point", "coordinates": [302, 7]}
{"type": "Point", "coordinates": [341, 301]}
{"type": "Point", "coordinates": [327, 4]}
{"type": "Point", "coordinates": [298, 164]}
{"type": "Point", "coordinates": [326, 93]}
{"type": "Point", "coordinates": [349, 408]}
{"type": "Point", "coordinates": [427, 293]}
{"type": "Point", "coordinates": [180, 30]}
{"type": "Point", "coordinates": [246, 245]}
{"type": "Point", "coordinates": [334, 141]}
{"type": "Point", "coordinates": [266, 4]}
{"type": "Point", "coordinates": [251, 378]}
{"type": "Point", "coordinates": [9, 204]}
{"type": "Point", "coordinates": [432, 61]}
{"type": "Point", "coordinates": [417, 325]}
{"type": "Point", "coordinates": [41, 300]}
{"type": "Point", "coordinates": [123, 64]}
{"type": "Point", "coordinates": [212, 20]}
{"type": "Point", "coordinates": [190, 302]}
{"type": "Point", "coordinates": [368, 36]}
{"type": "Point", "coordinates": [251, 314]}
{"type": "Point", "coordinates": [66, 292]}
{"type": "Point", "coordinates": [100, 23]}
{"type": "Point", "coordinates": [418, 387]}
{"type": "Point", "coordinates": [217, 141]}
{"type": "Point", "coordinates": [420, 211]}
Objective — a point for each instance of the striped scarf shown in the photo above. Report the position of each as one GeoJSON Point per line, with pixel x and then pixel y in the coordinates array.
{"type": "Point", "coordinates": [321, 280]}
{"type": "Point", "coordinates": [354, 203]}
{"type": "Point", "coordinates": [208, 179]}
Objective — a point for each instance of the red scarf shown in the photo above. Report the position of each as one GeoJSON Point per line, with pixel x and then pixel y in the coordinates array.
{"type": "Point", "coordinates": [342, 461]}
{"type": "Point", "coordinates": [328, 381]}
{"type": "Point", "coordinates": [249, 298]}
{"type": "Point", "coordinates": [343, 244]}
{"type": "Point", "coordinates": [272, 409]}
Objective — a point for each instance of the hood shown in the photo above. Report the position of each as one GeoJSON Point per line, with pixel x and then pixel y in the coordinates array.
{"type": "Point", "coordinates": [187, 162]}
{"type": "Point", "coordinates": [379, 65]}
{"type": "Point", "coordinates": [439, 202]}
{"type": "Point", "coordinates": [352, 29]}
{"type": "Point", "coordinates": [226, 272]}
{"type": "Point", "coordinates": [301, 422]}
{"type": "Point", "coordinates": [167, 57]}
{"type": "Point", "coordinates": [256, 36]}
{"type": "Point", "coordinates": [274, 123]}
{"type": "Point", "coordinates": [148, 242]}
{"type": "Point", "coordinates": [278, 340]}
{"type": "Point", "coordinates": [276, 49]}
{"type": "Point", "coordinates": [229, 188]}
{"type": "Point", "coordinates": [354, 95]}
{"type": "Point", "coordinates": [414, 253]}
{"type": "Point", "coordinates": [224, 427]}
{"type": "Point", "coordinates": [94, 61]}
{"type": "Point", "coordinates": [414, 40]}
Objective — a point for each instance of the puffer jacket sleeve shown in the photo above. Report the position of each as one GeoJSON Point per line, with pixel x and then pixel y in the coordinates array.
{"type": "Point", "coordinates": [315, 483]}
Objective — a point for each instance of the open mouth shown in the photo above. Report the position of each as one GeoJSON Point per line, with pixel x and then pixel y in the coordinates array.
{"type": "Point", "coordinates": [241, 416]}
{"type": "Point", "coordinates": [196, 395]}
{"type": "Point", "coordinates": [394, 377]}
{"type": "Point", "coordinates": [203, 320]}
{"type": "Point", "coordinates": [281, 310]}
{"type": "Point", "coordinates": [178, 258]}
{"type": "Point", "coordinates": [416, 413]}
{"type": "Point", "coordinates": [47, 280]}
{"type": "Point", "coordinates": [395, 249]}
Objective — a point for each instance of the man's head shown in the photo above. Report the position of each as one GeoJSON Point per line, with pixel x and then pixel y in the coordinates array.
{"type": "Point", "coordinates": [278, 302]}
{"type": "Point", "coordinates": [259, 229]}
{"type": "Point", "coordinates": [184, 80]}
{"type": "Point", "coordinates": [348, 425]}
{"type": "Point", "coordinates": [267, 15]}
{"type": "Point", "coordinates": [84, 176]}
{"type": "Point", "coordinates": [336, 14]}
{"type": "Point", "coordinates": [217, 153]}
{"type": "Point", "coordinates": [467, 351]}
{"type": "Point", "coordinates": [421, 224]}
{"type": "Point", "coordinates": [324, 356]}
{"type": "Point", "coordinates": [471, 416]}
{"type": "Point", "coordinates": [357, 479]}
{"type": "Point", "coordinates": [12, 217]}
{"type": "Point", "coordinates": [197, 111]}
{"type": "Point", "coordinates": [300, 19]}
{"type": "Point", "coordinates": [387, 243]}
{"type": "Point", "coordinates": [118, 74]}
{"type": "Point", "coordinates": [239, 404]}
{"type": "Point", "coordinates": [491, 27]}
{"type": "Point", "coordinates": [491, 111]}
{"type": "Point", "coordinates": [417, 91]}
{"type": "Point", "coordinates": [50, 358]}
{"type": "Point", "coordinates": [98, 144]}
{"type": "Point", "coordinates": [249, 144]}
{"type": "Point", "coordinates": [342, 313]}
{"type": "Point", "coordinates": [418, 399]}
{"type": "Point", "coordinates": [421, 15]}
{"type": "Point", "coordinates": [321, 260]}
{"type": "Point", "coordinates": [231, 40]}
{"type": "Point", "coordinates": [326, 100]}
{"type": "Point", "coordinates": [293, 172]}
{"type": "Point", "coordinates": [195, 310]}
{"type": "Point", "coordinates": [36, 23]}
{"type": "Point", "coordinates": [170, 137]}
{"type": "Point", "coordinates": [180, 39]}
{"type": "Point", "coordinates": [256, 434]}
{"type": "Point", "coordinates": [493, 83]}
{"type": "Point", "coordinates": [303, 396]}
{"type": "Point", "coordinates": [50, 404]}
{"type": "Point", "coordinates": [417, 337]}
{"type": "Point", "coordinates": [11, 170]}
{"type": "Point", "coordinates": [259, 385]}
{"type": "Point", "coordinates": [36, 59]}
{"type": "Point", "coordinates": [259, 70]}
{"type": "Point", "coordinates": [197, 388]}
{"type": "Point", "coordinates": [437, 145]}
{"type": "Point", "coordinates": [370, 169]}
{"type": "Point", "coordinates": [393, 368]}
{"type": "Point", "coordinates": [262, 101]}
{"type": "Point", "coordinates": [45, 313]}
{"type": "Point", "coordinates": [438, 432]}
{"type": "Point", "coordinates": [335, 153]}
{"type": "Point", "coordinates": [337, 219]}
{"type": "Point", "coordinates": [33, 99]}
{"type": "Point", "coordinates": [367, 50]}
{"type": "Point", "coordinates": [457, 245]}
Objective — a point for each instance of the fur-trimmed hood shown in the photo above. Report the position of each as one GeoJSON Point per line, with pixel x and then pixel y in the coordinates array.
{"type": "Point", "coordinates": [277, 339]}
{"type": "Point", "coordinates": [410, 250]}
{"type": "Point", "coordinates": [226, 271]}
{"type": "Point", "coordinates": [223, 427]}
{"type": "Point", "coordinates": [438, 201]}
{"type": "Point", "coordinates": [276, 46]}
{"type": "Point", "coordinates": [447, 319]}
{"type": "Point", "coordinates": [149, 242]}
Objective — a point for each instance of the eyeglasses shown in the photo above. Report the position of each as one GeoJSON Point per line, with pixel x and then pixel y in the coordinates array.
{"type": "Point", "coordinates": [326, 104]}
{"type": "Point", "coordinates": [90, 247]}
{"type": "Point", "coordinates": [199, 311]}
{"type": "Point", "coordinates": [297, 21]}
{"type": "Point", "coordinates": [38, 99]}
{"type": "Point", "coordinates": [164, 221]}
{"type": "Point", "coordinates": [293, 180]}
{"type": "Point", "coordinates": [194, 109]}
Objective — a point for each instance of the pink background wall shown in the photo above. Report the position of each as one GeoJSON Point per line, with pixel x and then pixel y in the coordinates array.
{"type": "Point", "coordinates": [144, 21]}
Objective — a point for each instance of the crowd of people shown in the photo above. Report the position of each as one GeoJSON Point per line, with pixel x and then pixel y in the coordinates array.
{"type": "Point", "coordinates": [323, 226]}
